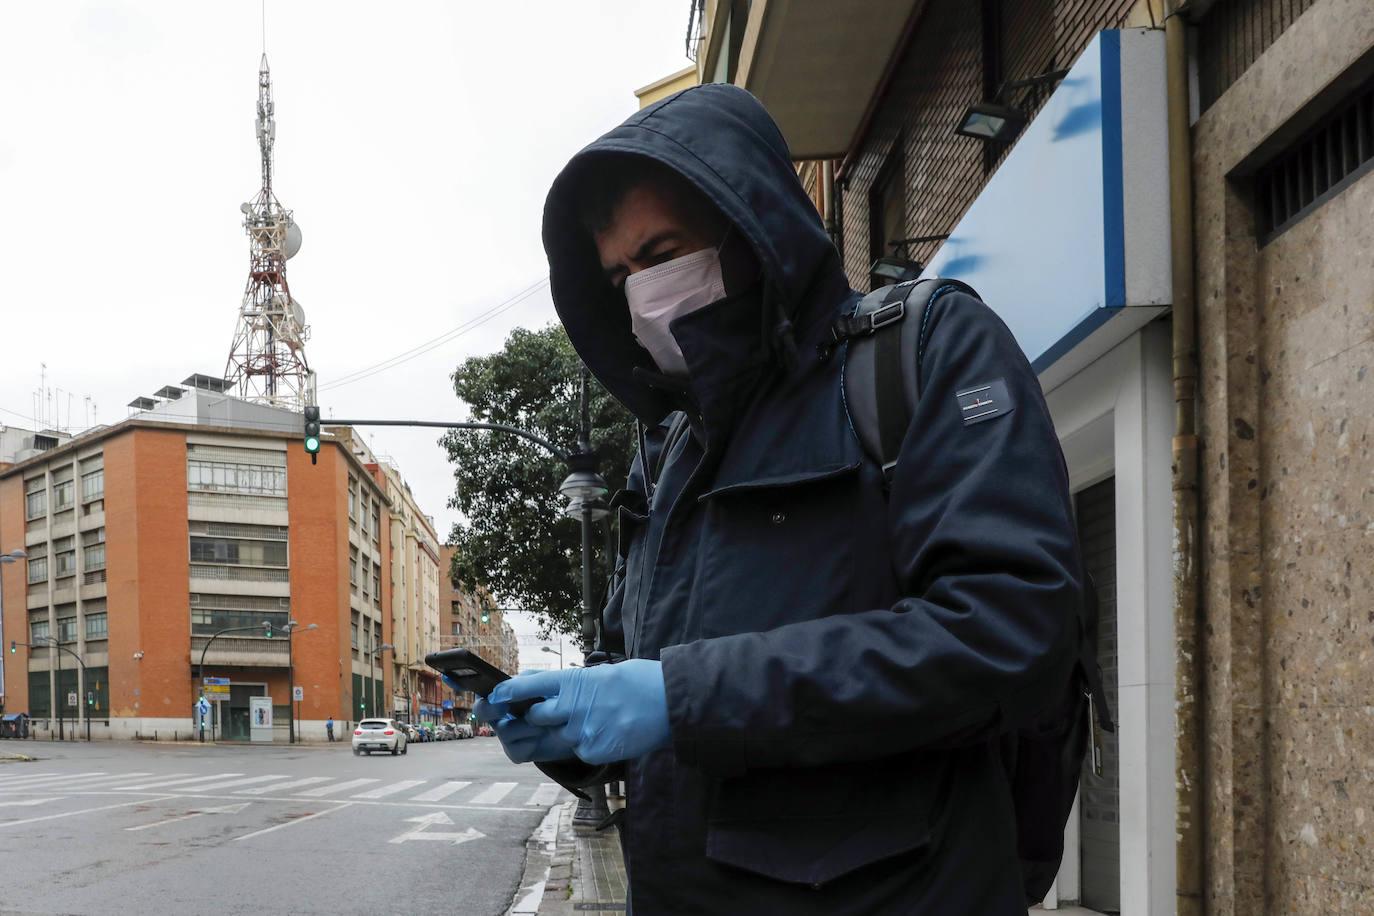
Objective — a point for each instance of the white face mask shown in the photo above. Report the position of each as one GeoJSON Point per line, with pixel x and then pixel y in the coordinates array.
{"type": "Point", "coordinates": [667, 291]}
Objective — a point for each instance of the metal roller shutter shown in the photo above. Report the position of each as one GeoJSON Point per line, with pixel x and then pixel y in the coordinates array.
{"type": "Point", "coordinates": [1100, 834]}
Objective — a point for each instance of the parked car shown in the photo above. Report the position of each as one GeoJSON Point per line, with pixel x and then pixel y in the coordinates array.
{"type": "Point", "coordinates": [412, 733]}
{"type": "Point", "coordinates": [486, 731]}
{"type": "Point", "coordinates": [463, 730]}
{"type": "Point", "coordinates": [379, 735]}
{"type": "Point", "coordinates": [445, 731]}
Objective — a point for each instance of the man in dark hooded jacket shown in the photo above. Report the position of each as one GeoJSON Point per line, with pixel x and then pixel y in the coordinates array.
{"type": "Point", "coordinates": [810, 669]}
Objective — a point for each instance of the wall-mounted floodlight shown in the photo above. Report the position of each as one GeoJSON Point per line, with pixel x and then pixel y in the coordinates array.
{"type": "Point", "coordinates": [994, 121]}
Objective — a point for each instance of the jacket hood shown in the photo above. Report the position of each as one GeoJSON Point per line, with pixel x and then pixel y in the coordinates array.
{"type": "Point", "coordinates": [721, 140]}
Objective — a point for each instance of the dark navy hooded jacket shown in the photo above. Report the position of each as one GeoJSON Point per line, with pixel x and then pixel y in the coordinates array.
{"type": "Point", "coordinates": [839, 660]}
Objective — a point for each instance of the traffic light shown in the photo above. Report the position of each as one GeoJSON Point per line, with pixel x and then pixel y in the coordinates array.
{"type": "Point", "coordinates": [267, 628]}
{"type": "Point", "coordinates": [12, 648]}
{"type": "Point", "coordinates": [90, 697]}
{"type": "Point", "coordinates": [312, 431]}
{"type": "Point", "coordinates": [485, 617]}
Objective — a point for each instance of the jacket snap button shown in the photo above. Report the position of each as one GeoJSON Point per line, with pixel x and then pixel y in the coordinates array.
{"type": "Point", "coordinates": [779, 517]}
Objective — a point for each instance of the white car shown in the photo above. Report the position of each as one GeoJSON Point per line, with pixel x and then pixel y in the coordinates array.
{"type": "Point", "coordinates": [379, 735]}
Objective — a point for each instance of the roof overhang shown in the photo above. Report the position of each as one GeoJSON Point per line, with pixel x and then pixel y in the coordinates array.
{"type": "Point", "coordinates": [817, 65]}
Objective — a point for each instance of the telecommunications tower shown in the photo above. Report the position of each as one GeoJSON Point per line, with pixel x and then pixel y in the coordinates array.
{"type": "Point", "coordinates": [267, 361]}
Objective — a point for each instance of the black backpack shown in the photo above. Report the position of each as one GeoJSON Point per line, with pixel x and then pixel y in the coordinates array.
{"type": "Point", "coordinates": [886, 338]}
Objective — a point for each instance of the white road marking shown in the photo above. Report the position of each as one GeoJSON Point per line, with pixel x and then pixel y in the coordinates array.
{"type": "Point", "coordinates": [163, 783]}
{"type": "Point", "coordinates": [341, 787]}
{"type": "Point", "coordinates": [53, 817]}
{"type": "Point", "coordinates": [282, 786]}
{"type": "Point", "coordinates": [392, 789]}
{"type": "Point", "coordinates": [546, 794]}
{"type": "Point", "coordinates": [442, 836]}
{"type": "Point", "coordinates": [493, 794]}
{"type": "Point", "coordinates": [104, 782]}
{"type": "Point", "coordinates": [441, 793]}
{"type": "Point", "coordinates": [69, 785]}
{"type": "Point", "coordinates": [339, 807]}
{"type": "Point", "coordinates": [226, 809]}
{"type": "Point", "coordinates": [6, 780]}
{"type": "Point", "coordinates": [231, 783]}
{"type": "Point", "coordinates": [31, 801]}
{"type": "Point", "coordinates": [40, 780]}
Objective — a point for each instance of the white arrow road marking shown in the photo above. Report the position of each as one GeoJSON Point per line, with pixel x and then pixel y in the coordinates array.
{"type": "Point", "coordinates": [31, 801]}
{"type": "Point", "coordinates": [249, 836]}
{"type": "Point", "coordinates": [443, 792]}
{"type": "Point", "coordinates": [225, 809]}
{"type": "Point", "coordinates": [493, 794]}
{"type": "Point", "coordinates": [418, 832]}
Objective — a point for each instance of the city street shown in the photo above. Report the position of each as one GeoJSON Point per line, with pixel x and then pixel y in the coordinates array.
{"type": "Point", "coordinates": [163, 828]}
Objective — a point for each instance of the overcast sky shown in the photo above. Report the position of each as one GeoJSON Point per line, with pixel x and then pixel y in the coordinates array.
{"type": "Point", "coordinates": [415, 143]}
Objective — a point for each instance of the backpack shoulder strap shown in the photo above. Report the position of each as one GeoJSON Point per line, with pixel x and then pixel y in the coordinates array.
{"type": "Point", "coordinates": [885, 339]}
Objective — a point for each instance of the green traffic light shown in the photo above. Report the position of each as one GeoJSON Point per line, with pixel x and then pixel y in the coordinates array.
{"type": "Point", "coordinates": [267, 627]}
{"type": "Point", "coordinates": [312, 444]}
{"type": "Point", "coordinates": [12, 648]}
{"type": "Point", "coordinates": [485, 618]}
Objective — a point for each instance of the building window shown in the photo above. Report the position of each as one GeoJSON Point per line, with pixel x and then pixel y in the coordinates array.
{"type": "Point", "coordinates": [35, 504]}
{"type": "Point", "coordinates": [62, 496]}
{"type": "Point", "coordinates": [64, 557]}
{"type": "Point", "coordinates": [353, 568]}
{"type": "Point", "coordinates": [353, 634]}
{"type": "Point", "coordinates": [97, 626]}
{"type": "Point", "coordinates": [39, 631]}
{"type": "Point", "coordinates": [211, 612]}
{"type": "Point", "coordinates": [377, 584]}
{"type": "Point", "coordinates": [93, 486]}
{"type": "Point", "coordinates": [457, 628]}
{"type": "Point", "coordinates": [38, 569]}
{"type": "Point", "coordinates": [352, 498]}
{"type": "Point", "coordinates": [376, 522]}
{"type": "Point", "coordinates": [226, 477]}
{"type": "Point", "coordinates": [66, 629]}
{"type": "Point", "coordinates": [95, 557]}
{"type": "Point", "coordinates": [238, 552]}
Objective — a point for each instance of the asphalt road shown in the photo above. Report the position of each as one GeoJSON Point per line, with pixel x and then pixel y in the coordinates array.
{"type": "Point", "coordinates": [113, 827]}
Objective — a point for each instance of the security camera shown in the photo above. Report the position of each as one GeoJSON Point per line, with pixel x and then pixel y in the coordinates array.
{"type": "Point", "coordinates": [138, 655]}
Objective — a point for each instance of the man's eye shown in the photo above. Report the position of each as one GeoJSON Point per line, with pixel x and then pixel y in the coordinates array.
{"type": "Point", "coordinates": [663, 257]}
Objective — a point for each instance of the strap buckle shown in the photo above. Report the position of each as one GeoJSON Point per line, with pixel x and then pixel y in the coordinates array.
{"type": "Point", "coordinates": [888, 314]}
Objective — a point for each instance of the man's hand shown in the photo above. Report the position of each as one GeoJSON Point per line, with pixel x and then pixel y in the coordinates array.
{"type": "Point", "coordinates": [602, 714]}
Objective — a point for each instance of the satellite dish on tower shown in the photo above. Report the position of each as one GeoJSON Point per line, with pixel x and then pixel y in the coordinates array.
{"type": "Point", "coordinates": [293, 239]}
{"type": "Point", "coordinates": [297, 312]}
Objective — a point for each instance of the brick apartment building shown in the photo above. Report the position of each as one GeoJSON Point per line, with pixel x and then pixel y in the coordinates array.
{"type": "Point", "coordinates": [1177, 231]}
{"type": "Point", "coordinates": [201, 513]}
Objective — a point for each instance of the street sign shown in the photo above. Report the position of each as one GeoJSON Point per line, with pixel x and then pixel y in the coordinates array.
{"type": "Point", "coordinates": [448, 704]}
{"type": "Point", "coordinates": [298, 693]}
{"type": "Point", "coordinates": [216, 680]}
{"type": "Point", "coordinates": [217, 692]}
{"type": "Point", "coordinates": [71, 698]}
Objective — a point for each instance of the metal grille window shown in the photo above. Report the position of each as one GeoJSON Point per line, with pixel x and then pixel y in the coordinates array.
{"type": "Point", "coordinates": [65, 564]}
{"type": "Point", "coordinates": [224, 477]}
{"type": "Point", "coordinates": [66, 629]}
{"type": "Point", "coordinates": [234, 530]}
{"type": "Point", "coordinates": [95, 557]}
{"type": "Point", "coordinates": [1321, 164]}
{"type": "Point", "coordinates": [39, 630]}
{"type": "Point", "coordinates": [240, 602]}
{"type": "Point", "coordinates": [35, 504]}
{"type": "Point", "coordinates": [237, 552]}
{"type": "Point", "coordinates": [206, 621]}
{"type": "Point", "coordinates": [1233, 35]}
{"type": "Point", "coordinates": [38, 569]}
{"type": "Point", "coordinates": [62, 496]}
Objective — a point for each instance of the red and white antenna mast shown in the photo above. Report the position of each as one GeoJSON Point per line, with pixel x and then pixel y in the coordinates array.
{"type": "Point", "coordinates": [267, 361]}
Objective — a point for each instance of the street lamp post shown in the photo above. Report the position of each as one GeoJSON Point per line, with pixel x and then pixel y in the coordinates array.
{"type": "Point", "coordinates": [374, 651]}
{"type": "Point", "coordinates": [558, 652]}
{"type": "Point", "coordinates": [266, 628]}
{"type": "Point", "coordinates": [291, 676]}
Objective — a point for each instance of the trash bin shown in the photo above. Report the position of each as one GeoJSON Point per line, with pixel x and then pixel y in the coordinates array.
{"type": "Point", "coordinates": [14, 725]}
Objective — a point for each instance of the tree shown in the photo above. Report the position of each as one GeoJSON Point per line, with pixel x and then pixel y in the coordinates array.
{"type": "Point", "coordinates": [514, 539]}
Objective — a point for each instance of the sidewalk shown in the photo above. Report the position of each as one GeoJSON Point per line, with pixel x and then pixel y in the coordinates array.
{"type": "Point", "coordinates": [572, 870]}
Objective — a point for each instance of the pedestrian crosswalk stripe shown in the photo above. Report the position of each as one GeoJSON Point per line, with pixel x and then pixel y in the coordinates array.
{"type": "Point", "coordinates": [6, 780]}
{"type": "Point", "coordinates": [383, 791]}
{"type": "Point", "coordinates": [546, 794]}
{"type": "Point", "coordinates": [441, 793]}
{"type": "Point", "coordinates": [40, 780]}
{"type": "Point", "coordinates": [341, 787]}
{"type": "Point", "coordinates": [493, 794]}
{"type": "Point", "coordinates": [162, 783]}
{"type": "Point", "coordinates": [94, 782]}
{"type": "Point", "coordinates": [283, 786]}
{"type": "Point", "coordinates": [233, 783]}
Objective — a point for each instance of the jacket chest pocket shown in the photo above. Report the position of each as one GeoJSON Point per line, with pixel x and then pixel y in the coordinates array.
{"type": "Point", "coordinates": [776, 552]}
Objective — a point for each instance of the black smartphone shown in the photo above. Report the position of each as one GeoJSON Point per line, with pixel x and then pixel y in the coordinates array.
{"type": "Point", "coordinates": [474, 673]}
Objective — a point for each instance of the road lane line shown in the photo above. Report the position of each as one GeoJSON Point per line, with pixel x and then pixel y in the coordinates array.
{"type": "Point", "coordinates": [546, 794]}
{"type": "Point", "coordinates": [441, 793]}
{"type": "Point", "coordinates": [27, 781]}
{"type": "Point", "coordinates": [493, 794]}
{"type": "Point", "coordinates": [162, 783]}
{"type": "Point", "coordinates": [341, 787]}
{"type": "Point", "coordinates": [339, 807]}
{"type": "Point", "coordinates": [280, 787]}
{"type": "Point", "coordinates": [53, 817]}
{"type": "Point", "coordinates": [392, 789]}
{"type": "Point", "coordinates": [231, 783]}
{"type": "Point", "coordinates": [28, 802]}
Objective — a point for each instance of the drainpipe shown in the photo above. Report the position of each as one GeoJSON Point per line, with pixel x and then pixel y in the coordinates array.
{"type": "Point", "coordinates": [828, 199]}
{"type": "Point", "coordinates": [1191, 867]}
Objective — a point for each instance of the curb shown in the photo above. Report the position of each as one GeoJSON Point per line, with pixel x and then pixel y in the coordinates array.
{"type": "Point", "coordinates": [546, 866]}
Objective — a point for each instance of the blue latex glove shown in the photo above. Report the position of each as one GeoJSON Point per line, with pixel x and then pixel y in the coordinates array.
{"type": "Point", "coordinates": [603, 713]}
{"type": "Point", "coordinates": [521, 741]}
